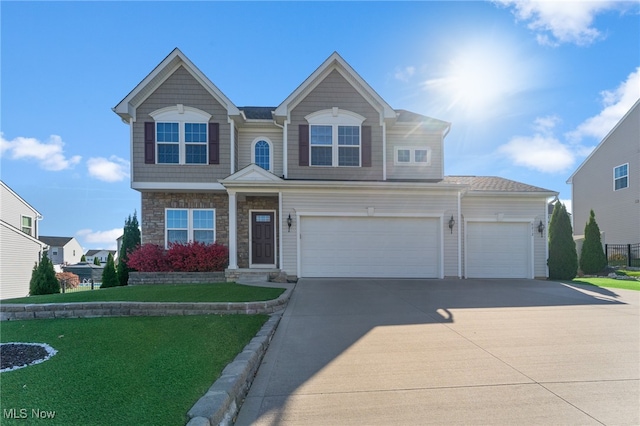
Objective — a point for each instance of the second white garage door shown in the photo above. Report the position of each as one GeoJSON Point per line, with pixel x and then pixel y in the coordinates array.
{"type": "Point", "coordinates": [498, 250]}
{"type": "Point", "coordinates": [369, 247]}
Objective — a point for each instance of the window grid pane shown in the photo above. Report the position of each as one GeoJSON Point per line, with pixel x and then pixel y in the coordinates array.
{"type": "Point", "coordinates": [195, 133]}
{"type": "Point", "coordinates": [202, 236]}
{"type": "Point", "coordinates": [167, 132]}
{"type": "Point", "coordinates": [321, 156]}
{"type": "Point", "coordinates": [404, 156]}
{"type": "Point", "coordinates": [348, 156]}
{"type": "Point", "coordinates": [262, 154]}
{"type": "Point", "coordinates": [196, 154]}
{"type": "Point", "coordinates": [168, 153]}
{"type": "Point", "coordinates": [203, 219]}
{"type": "Point", "coordinates": [349, 135]}
{"type": "Point", "coordinates": [177, 236]}
{"type": "Point", "coordinates": [421, 155]}
{"type": "Point", "coordinates": [621, 183]}
{"type": "Point", "coordinates": [321, 135]}
{"type": "Point", "coordinates": [177, 219]}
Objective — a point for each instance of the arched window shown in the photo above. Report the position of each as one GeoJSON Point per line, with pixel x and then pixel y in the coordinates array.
{"type": "Point", "coordinates": [261, 153]}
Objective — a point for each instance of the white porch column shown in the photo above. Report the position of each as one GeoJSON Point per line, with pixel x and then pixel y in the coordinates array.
{"type": "Point", "coordinates": [233, 231]}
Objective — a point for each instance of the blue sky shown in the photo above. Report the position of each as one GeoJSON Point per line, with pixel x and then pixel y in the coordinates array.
{"type": "Point", "coordinates": [529, 87]}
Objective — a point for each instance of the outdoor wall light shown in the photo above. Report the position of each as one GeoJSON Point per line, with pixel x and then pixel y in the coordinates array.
{"type": "Point", "coordinates": [452, 222]}
{"type": "Point", "coordinates": [289, 222]}
{"type": "Point", "coordinates": [541, 229]}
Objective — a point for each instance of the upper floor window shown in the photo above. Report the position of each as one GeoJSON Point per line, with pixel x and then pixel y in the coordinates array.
{"type": "Point", "coordinates": [621, 177]}
{"type": "Point", "coordinates": [412, 156]}
{"type": "Point", "coordinates": [261, 153]}
{"type": "Point", "coordinates": [335, 138]}
{"type": "Point", "coordinates": [27, 225]}
{"type": "Point", "coordinates": [188, 225]}
{"type": "Point", "coordinates": [181, 135]}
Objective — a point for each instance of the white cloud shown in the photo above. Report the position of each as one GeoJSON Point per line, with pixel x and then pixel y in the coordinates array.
{"type": "Point", "coordinates": [100, 239]}
{"type": "Point", "coordinates": [556, 22]}
{"type": "Point", "coordinates": [540, 152]}
{"type": "Point", "coordinates": [113, 169]}
{"type": "Point", "coordinates": [49, 155]}
{"type": "Point", "coordinates": [405, 73]}
{"type": "Point", "coordinates": [616, 104]}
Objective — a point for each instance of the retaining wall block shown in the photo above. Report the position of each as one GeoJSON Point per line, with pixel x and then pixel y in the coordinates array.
{"type": "Point", "coordinates": [199, 421]}
{"type": "Point", "coordinates": [211, 406]}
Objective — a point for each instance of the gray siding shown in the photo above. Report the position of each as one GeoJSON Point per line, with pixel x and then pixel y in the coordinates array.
{"type": "Point", "coordinates": [181, 88]}
{"type": "Point", "coordinates": [246, 138]}
{"type": "Point", "coordinates": [414, 137]}
{"type": "Point", "coordinates": [335, 91]}
{"type": "Point", "coordinates": [387, 202]}
{"type": "Point", "coordinates": [617, 212]}
{"type": "Point", "coordinates": [12, 209]}
{"type": "Point", "coordinates": [18, 255]}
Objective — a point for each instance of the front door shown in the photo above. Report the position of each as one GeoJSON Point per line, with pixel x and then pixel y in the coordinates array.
{"type": "Point", "coordinates": [263, 238]}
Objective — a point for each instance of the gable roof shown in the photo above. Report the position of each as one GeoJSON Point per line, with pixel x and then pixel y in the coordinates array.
{"type": "Point", "coordinates": [336, 62]}
{"type": "Point", "coordinates": [55, 241]}
{"type": "Point", "coordinates": [496, 185]}
{"type": "Point", "coordinates": [94, 252]}
{"type": "Point", "coordinates": [126, 108]}
{"type": "Point", "coordinates": [604, 140]}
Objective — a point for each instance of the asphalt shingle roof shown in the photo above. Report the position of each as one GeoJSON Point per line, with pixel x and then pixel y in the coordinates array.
{"type": "Point", "coordinates": [493, 184]}
{"type": "Point", "coordinates": [257, 113]}
{"type": "Point", "coordinates": [55, 241]}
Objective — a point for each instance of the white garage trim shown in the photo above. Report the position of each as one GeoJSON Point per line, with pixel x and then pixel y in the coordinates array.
{"type": "Point", "coordinates": [370, 213]}
{"type": "Point", "coordinates": [525, 233]}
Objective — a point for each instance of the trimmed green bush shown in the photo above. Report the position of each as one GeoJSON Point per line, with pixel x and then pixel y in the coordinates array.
{"type": "Point", "coordinates": [109, 275]}
{"type": "Point", "coordinates": [96, 261]}
{"type": "Point", "coordinates": [43, 278]}
{"type": "Point", "coordinates": [563, 257]}
{"type": "Point", "coordinates": [592, 257]}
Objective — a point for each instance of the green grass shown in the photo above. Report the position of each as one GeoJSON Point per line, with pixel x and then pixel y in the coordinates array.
{"type": "Point", "coordinates": [628, 273]}
{"type": "Point", "coordinates": [126, 371]}
{"type": "Point", "coordinates": [608, 282]}
{"type": "Point", "coordinates": [219, 292]}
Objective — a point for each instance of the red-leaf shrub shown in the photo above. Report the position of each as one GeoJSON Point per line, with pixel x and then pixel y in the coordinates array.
{"type": "Point", "coordinates": [148, 258]}
{"type": "Point", "coordinates": [68, 280]}
{"type": "Point", "coordinates": [197, 257]}
{"type": "Point", "coordinates": [189, 257]}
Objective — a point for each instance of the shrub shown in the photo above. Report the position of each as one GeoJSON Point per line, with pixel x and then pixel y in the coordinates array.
{"type": "Point", "coordinates": [592, 257]}
{"type": "Point", "coordinates": [189, 257]}
{"type": "Point", "coordinates": [130, 240]}
{"type": "Point", "coordinates": [68, 280]}
{"type": "Point", "coordinates": [109, 275]}
{"type": "Point", "coordinates": [563, 257]}
{"type": "Point", "coordinates": [43, 278]}
{"type": "Point", "coordinates": [198, 257]}
{"type": "Point", "coordinates": [148, 258]}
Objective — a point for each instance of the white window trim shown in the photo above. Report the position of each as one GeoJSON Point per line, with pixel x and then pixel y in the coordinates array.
{"type": "Point", "coordinates": [335, 117]}
{"type": "Point", "coordinates": [412, 156]}
{"type": "Point", "coordinates": [616, 178]}
{"type": "Point", "coordinates": [190, 227]}
{"type": "Point", "coordinates": [182, 115]}
{"type": "Point", "coordinates": [253, 151]}
{"type": "Point", "coordinates": [22, 225]}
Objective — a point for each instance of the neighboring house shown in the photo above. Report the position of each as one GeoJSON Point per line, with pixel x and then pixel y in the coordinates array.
{"type": "Point", "coordinates": [102, 255]}
{"type": "Point", "coordinates": [20, 248]}
{"type": "Point", "coordinates": [608, 181]}
{"type": "Point", "coordinates": [333, 182]}
{"type": "Point", "coordinates": [63, 250]}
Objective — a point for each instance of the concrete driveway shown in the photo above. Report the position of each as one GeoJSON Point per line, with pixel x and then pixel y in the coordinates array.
{"type": "Point", "coordinates": [381, 352]}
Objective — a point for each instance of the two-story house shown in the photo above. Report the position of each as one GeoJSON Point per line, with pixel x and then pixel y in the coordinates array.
{"type": "Point", "coordinates": [608, 182]}
{"type": "Point", "coordinates": [63, 250]}
{"type": "Point", "coordinates": [20, 248]}
{"type": "Point", "coordinates": [102, 256]}
{"type": "Point", "coordinates": [333, 182]}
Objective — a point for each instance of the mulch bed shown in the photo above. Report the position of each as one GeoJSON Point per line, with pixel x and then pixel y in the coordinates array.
{"type": "Point", "coordinates": [18, 355]}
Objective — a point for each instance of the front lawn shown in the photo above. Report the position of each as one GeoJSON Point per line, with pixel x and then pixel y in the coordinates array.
{"type": "Point", "coordinates": [608, 282]}
{"type": "Point", "coordinates": [134, 370]}
{"type": "Point", "coordinates": [218, 292]}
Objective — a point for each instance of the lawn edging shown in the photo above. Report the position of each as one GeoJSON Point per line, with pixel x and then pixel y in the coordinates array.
{"type": "Point", "coordinates": [14, 311]}
{"type": "Point", "coordinates": [221, 403]}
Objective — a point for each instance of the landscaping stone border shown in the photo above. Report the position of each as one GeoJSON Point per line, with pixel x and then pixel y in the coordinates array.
{"type": "Point", "coordinates": [15, 311]}
{"type": "Point", "coordinates": [221, 403]}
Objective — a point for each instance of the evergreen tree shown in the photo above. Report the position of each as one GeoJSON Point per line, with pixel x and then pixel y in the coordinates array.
{"type": "Point", "coordinates": [563, 257]}
{"type": "Point", "coordinates": [83, 258]}
{"type": "Point", "coordinates": [43, 278]}
{"type": "Point", "coordinates": [109, 275]}
{"type": "Point", "coordinates": [96, 261]}
{"type": "Point", "coordinates": [592, 257]}
{"type": "Point", "coordinates": [130, 240]}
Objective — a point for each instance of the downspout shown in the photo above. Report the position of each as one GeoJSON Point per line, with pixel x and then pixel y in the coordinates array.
{"type": "Point", "coordinates": [546, 243]}
{"type": "Point", "coordinates": [285, 144]}
{"type": "Point", "coordinates": [384, 150]}
{"type": "Point", "coordinates": [280, 219]}
{"type": "Point", "coordinates": [131, 153]}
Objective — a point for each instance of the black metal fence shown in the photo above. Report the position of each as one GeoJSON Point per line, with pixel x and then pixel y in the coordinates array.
{"type": "Point", "coordinates": [623, 254]}
{"type": "Point", "coordinates": [84, 285]}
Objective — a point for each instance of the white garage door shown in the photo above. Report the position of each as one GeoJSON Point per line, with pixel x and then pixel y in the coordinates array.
{"type": "Point", "coordinates": [369, 247]}
{"type": "Point", "coordinates": [498, 250]}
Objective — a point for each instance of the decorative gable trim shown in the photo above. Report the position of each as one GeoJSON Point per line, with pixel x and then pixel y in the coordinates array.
{"type": "Point", "coordinates": [126, 108]}
{"type": "Point", "coordinates": [336, 62]}
{"type": "Point", "coordinates": [251, 173]}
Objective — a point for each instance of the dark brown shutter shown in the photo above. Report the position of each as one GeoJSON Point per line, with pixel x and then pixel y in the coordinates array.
{"type": "Point", "coordinates": [150, 142]}
{"type": "Point", "coordinates": [366, 146]}
{"type": "Point", "coordinates": [214, 143]}
{"type": "Point", "coordinates": [303, 145]}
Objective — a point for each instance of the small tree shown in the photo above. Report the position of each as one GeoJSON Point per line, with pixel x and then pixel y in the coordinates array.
{"type": "Point", "coordinates": [563, 257]}
{"type": "Point", "coordinates": [43, 278]}
{"type": "Point", "coordinates": [83, 258]}
{"type": "Point", "coordinates": [109, 275]}
{"type": "Point", "coordinates": [96, 261]}
{"type": "Point", "coordinates": [592, 257]}
{"type": "Point", "coordinates": [130, 240]}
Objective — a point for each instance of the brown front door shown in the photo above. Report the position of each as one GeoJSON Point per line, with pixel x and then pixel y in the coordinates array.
{"type": "Point", "coordinates": [262, 238]}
